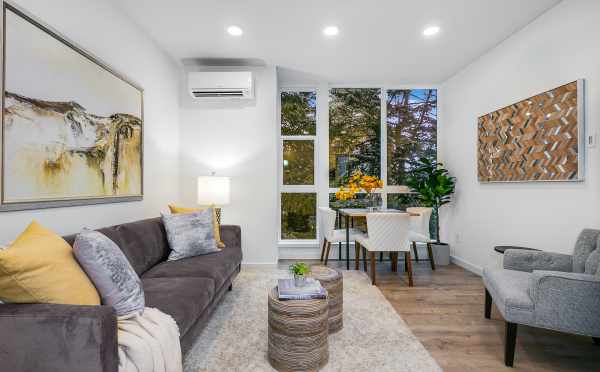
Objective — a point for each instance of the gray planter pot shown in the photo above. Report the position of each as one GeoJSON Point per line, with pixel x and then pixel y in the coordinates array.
{"type": "Point", "coordinates": [441, 253]}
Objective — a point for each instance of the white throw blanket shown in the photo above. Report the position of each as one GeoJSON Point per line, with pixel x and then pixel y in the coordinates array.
{"type": "Point", "coordinates": [149, 342]}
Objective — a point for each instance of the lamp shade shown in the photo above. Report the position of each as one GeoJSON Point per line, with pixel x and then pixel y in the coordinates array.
{"type": "Point", "coordinates": [213, 190]}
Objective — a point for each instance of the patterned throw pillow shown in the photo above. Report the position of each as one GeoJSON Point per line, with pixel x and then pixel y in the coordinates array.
{"type": "Point", "coordinates": [110, 271]}
{"type": "Point", "coordinates": [190, 234]}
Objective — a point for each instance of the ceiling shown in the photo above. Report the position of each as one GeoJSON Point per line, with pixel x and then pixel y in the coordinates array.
{"type": "Point", "coordinates": [379, 41]}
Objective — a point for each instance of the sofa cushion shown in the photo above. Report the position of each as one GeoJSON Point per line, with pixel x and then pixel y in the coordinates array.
{"type": "Point", "coordinates": [510, 291]}
{"type": "Point", "coordinates": [218, 266]}
{"type": "Point", "coordinates": [593, 262]}
{"type": "Point", "coordinates": [144, 242]}
{"type": "Point", "coordinates": [105, 264]}
{"type": "Point", "coordinates": [586, 243]}
{"type": "Point", "coordinates": [183, 298]}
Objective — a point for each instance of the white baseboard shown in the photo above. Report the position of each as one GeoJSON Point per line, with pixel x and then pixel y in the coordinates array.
{"type": "Point", "coordinates": [301, 253]}
{"type": "Point", "coordinates": [259, 264]}
{"type": "Point", "coordinates": [466, 265]}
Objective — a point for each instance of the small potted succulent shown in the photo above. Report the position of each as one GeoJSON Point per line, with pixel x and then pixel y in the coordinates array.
{"type": "Point", "coordinates": [300, 271]}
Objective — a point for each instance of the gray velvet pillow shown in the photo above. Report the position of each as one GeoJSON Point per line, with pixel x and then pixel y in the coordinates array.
{"type": "Point", "coordinates": [190, 234]}
{"type": "Point", "coordinates": [107, 267]}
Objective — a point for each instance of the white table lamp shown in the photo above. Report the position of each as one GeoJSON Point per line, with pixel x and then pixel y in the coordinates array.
{"type": "Point", "coordinates": [214, 190]}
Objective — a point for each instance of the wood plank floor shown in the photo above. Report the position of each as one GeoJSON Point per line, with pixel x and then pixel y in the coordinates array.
{"type": "Point", "coordinates": [445, 311]}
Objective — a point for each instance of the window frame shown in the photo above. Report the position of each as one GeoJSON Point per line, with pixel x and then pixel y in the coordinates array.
{"type": "Point", "coordinates": [321, 139]}
{"type": "Point", "coordinates": [282, 188]}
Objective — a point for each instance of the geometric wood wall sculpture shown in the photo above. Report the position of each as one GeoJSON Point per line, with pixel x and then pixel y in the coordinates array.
{"type": "Point", "coordinates": [538, 139]}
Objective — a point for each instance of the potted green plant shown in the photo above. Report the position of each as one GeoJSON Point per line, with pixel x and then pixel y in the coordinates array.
{"type": "Point", "coordinates": [301, 272]}
{"type": "Point", "coordinates": [434, 187]}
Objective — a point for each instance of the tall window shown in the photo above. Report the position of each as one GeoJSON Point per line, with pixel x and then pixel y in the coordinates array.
{"type": "Point", "coordinates": [381, 132]}
{"type": "Point", "coordinates": [354, 133]}
{"type": "Point", "coordinates": [411, 124]}
{"type": "Point", "coordinates": [298, 199]}
{"type": "Point", "coordinates": [411, 130]}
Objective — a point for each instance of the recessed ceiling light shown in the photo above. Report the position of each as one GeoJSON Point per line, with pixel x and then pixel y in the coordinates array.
{"type": "Point", "coordinates": [331, 31]}
{"type": "Point", "coordinates": [431, 30]}
{"type": "Point", "coordinates": [234, 30]}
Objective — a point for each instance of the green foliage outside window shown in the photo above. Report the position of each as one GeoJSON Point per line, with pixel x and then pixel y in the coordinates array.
{"type": "Point", "coordinates": [298, 113]}
{"type": "Point", "coordinates": [411, 131]}
{"type": "Point", "coordinates": [354, 133]}
{"type": "Point", "coordinates": [298, 162]}
{"type": "Point", "coordinates": [298, 215]}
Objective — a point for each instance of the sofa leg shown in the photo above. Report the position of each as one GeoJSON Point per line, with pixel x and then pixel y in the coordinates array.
{"type": "Point", "coordinates": [230, 287]}
{"type": "Point", "coordinates": [488, 305]}
{"type": "Point", "coordinates": [511, 341]}
{"type": "Point", "coordinates": [596, 340]}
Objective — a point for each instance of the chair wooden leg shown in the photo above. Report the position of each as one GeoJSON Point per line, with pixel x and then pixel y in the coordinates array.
{"type": "Point", "coordinates": [364, 258]}
{"type": "Point", "coordinates": [394, 258]}
{"type": "Point", "coordinates": [405, 263]}
{"type": "Point", "coordinates": [409, 269]}
{"type": "Point", "coordinates": [488, 305]}
{"type": "Point", "coordinates": [380, 256]}
{"type": "Point", "coordinates": [327, 253]}
{"type": "Point", "coordinates": [323, 249]}
{"type": "Point", "coordinates": [430, 253]}
{"type": "Point", "coordinates": [356, 255]}
{"type": "Point", "coordinates": [414, 247]}
{"type": "Point", "coordinates": [373, 263]}
{"type": "Point", "coordinates": [511, 341]}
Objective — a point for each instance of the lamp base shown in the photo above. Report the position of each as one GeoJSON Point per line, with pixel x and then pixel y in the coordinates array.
{"type": "Point", "coordinates": [218, 213]}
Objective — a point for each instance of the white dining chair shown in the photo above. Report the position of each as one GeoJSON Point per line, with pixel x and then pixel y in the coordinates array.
{"type": "Point", "coordinates": [419, 230]}
{"type": "Point", "coordinates": [329, 233]}
{"type": "Point", "coordinates": [387, 232]}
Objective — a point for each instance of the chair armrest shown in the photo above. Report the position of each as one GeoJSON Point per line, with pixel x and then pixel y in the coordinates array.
{"type": "Point", "coordinates": [65, 338]}
{"type": "Point", "coordinates": [522, 260]}
{"type": "Point", "coordinates": [231, 235]}
{"type": "Point", "coordinates": [566, 302]}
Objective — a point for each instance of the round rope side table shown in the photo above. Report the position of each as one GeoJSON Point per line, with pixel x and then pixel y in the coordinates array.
{"type": "Point", "coordinates": [297, 334]}
{"type": "Point", "coordinates": [333, 281]}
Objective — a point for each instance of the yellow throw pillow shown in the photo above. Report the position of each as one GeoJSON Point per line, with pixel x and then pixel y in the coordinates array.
{"type": "Point", "coordinates": [39, 267]}
{"type": "Point", "coordinates": [176, 210]}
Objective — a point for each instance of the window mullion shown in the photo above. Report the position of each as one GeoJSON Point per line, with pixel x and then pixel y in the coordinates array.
{"type": "Point", "coordinates": [384, 152]}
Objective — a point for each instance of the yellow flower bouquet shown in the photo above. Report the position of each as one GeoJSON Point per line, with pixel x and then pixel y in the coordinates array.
{"type": "Point", "coordinates": [358, 181]}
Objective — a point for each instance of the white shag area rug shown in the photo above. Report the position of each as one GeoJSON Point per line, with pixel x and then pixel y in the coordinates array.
{"type": "Point", "coordinates": [374, 337]}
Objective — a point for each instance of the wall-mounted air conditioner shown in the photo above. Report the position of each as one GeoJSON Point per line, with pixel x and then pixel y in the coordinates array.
{"type": "Point", "coordinates": [221, 84]}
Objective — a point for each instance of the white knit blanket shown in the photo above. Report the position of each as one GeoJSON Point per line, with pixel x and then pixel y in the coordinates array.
{"type": "Point", "coordinates": [149, 342]}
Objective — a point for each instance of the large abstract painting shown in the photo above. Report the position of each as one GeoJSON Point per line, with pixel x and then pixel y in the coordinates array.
{"type": "Point", "coordinates": [540, 138]}
{"type": "Point", "coordinates": [71, 127]}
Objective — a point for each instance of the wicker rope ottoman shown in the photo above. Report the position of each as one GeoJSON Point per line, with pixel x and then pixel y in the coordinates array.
{"type": "Point", "coordinates": [298, 333]}
{"type": "Point", "coordinates": [333, 281]}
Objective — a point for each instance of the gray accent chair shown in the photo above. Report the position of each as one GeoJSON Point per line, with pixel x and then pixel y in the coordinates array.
{"type": "Point", "coordinates": [548, 290]}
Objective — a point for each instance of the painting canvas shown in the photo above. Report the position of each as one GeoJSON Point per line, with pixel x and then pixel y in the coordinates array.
{"type": "Point", "coordinates": [540, 138]}
{"type": "Point", "coordinates": [71, 127]}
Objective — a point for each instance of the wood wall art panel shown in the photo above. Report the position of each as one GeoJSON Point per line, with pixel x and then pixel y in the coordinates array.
{"type": "Point", "coordinates": [537, 139]}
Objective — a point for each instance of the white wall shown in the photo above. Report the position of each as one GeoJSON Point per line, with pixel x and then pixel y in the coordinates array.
{"type": "Point", "coordinates": [558, 47]}
{"type": "Point", "coordinates": [236, 138]}
{"type": "Point", "coordinates": [105, 32]}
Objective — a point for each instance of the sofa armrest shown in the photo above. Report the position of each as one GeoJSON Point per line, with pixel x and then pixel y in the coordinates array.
{"type": "Point", "coordinates": [231, 235]}
{"type": "Point", "coordinates": [528, 261]}
{"type": "Point", "coordinates": [65, 338]}
{"type": "Point", "coordinates": [566, 302]}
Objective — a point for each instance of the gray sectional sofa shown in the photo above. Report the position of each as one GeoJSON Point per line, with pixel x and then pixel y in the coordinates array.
{"type": "Point", "coordinates": [40, 337]}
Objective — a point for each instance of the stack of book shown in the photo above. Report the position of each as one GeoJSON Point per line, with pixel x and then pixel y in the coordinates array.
{"type": "Point", "coordinates": [312, 290]}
